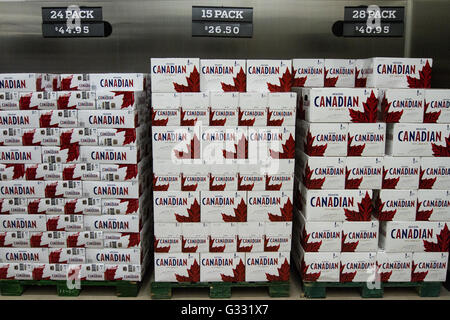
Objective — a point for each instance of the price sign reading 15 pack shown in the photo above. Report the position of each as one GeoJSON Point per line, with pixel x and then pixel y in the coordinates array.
{"type": "Point", "coordinates": [222, 22]}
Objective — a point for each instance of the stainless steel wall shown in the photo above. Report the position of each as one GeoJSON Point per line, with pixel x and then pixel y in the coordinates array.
{"type": "Point", "coordinates": [162, 28]}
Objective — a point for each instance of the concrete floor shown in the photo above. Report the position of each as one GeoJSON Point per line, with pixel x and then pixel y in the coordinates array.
{"type": "Point", "coordinates": [108, 293]}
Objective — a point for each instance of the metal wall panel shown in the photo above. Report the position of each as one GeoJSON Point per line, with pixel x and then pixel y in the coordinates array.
{"type": "Point", "coordinates": [144, 29]}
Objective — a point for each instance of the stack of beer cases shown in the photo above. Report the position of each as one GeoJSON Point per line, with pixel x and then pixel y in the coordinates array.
{"type": "Point", "coordinates": [73, 157]}
{"type": "Point", "coordinates": [413, 205]}
{"type": "Point", "coordinates": [339, 163]}
{"type": "Point", "coordinates": [223, 160]}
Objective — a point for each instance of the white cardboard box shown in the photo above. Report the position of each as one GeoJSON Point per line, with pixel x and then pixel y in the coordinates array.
{"type": "Point", "coordinates": [317, 266]}
{"type": "Point", "coordinates": [434, 173]}
{"type": "Point", "coordinates": [358, 266]}
{"type": "Point", "coordinates": [366, 139]}
{"type": "Point", "coordinates": [308, 72]}
{"type": "Point", "coordinates": [222, 267]}
{"type": "Point", "coordinates": [171, 74]}
{"type": "Point", "coordinates": [429, 266]}
{"type": "Point", "coordinates": [166, 109]}
{"type": "Point", "coordinates": [223, 206]}
{"type": "Point", "coordinates": [433, 205]}
{"type": "Point", "coordinates": [323, 139]}
{"type": "Point", "coordinates": [281, 109]}
{"type": "Point", "coordinates": [223, 237]}
{"type": "Point", "coordinates": [360, 236]}
{"type": "Point", "coordinates": [269, 75]}
{"type": "Point", "coordinates": [222, 75]}
{"type": "Point", "coordinates": [177, 267]}
{"type": "Point", "coordinates": [224, 109]}
{"type": "Point", "coordinates": [176, 206]}
{"type": "Point", "coordinates": [267, 266]}
{"type": "Point", "coordinates": [394, 266]}
{"type": "Point", "coordinates": [363, 172]}
{"type": "Point", "coordinates": [321, 172]}
{"type": "Point", "coordinates": [266, 206]}
{"type": "Point", "coordinates": [395, 205]}
{"type": "Point", "coordinates": [400, 173]}
{"type": "Point", "coordinates": [401, 105]}
{"type": "Point", "coordinates": [437, 105]}
{"type": "Point", "coordinates": [16, 154]}
{"type": "Point", "coordinates": [339, 73]}
{"type": "Point", "coordinates": [252, 110]}
{"type": "Point", "coordinates": [117, 81]}
{"type": "Point", "coordinates": [20, 118]}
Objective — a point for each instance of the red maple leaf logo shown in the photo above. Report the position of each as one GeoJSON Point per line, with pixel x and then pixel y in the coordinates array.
{"type": "Point", "coordinates": [417, 276]}
{"type": "Point", "coordinates": [132, 205]}
{"type": "Point", "coordinates": [329, 82]}
{"type": "Point", "coordinates": [311, 150]}
{"type": "Point", "coordinates": [63, 102]}
{"type": "Point", "coordinates": [193, 213]}
{"type": "Point", "coordinates": [186, 122]}
{"type": "Point", "coordinates": [2, 240]}
{"type": "Point", "coordinates": [31, 172]}
{"type": "Point", "coordinates": [288, 150]}
{"type": "Point", "coordinates": [24, 102]}
{"type": "Point", "coordinates": [424, 80]}
{"type": "Point", "coordinates": [346, 277]}
{"type": "Point", "coordinates": [241, 150]}
{"type": "Point", "coordinates": [425, 183]}
{"type": "Point", "coordinates": [52, 224]}
{"type": "Point", "coordinates": [68, 173]}
{"type": "Point", "coordinates": [70, 206]}
{"type": "Point", "coordinates": [359, 82]}
{"type": "Point", "coordinates": [159, 249]}
{"type": "Point", "coordinates": [354, 151]}
{"type": "Point", "coordinates": [273, 123]}
{"type": "Point", "coordinates": [244, 123]}
{"type": "Point", "coordinates": [218, 122]}
{"type": "Point", "coordinates": [161, 187]}
{"type": "Point", "coordinates": [184, 187]}
{"type": "Point", "coordinates": [299, 81]}
{"type": "Point", "coordinates": [423, 215]}
{"type": "Point", "coordinates": [72, 240]}
{"type": "Point", "coordinates": [272, 187]}
{"type": "Point", "coordinates": [18, 170]}
{"type": "Point", "coordinates": [309, 246]}
{"type": "Point", "coordinates": [193, 150]}
{"type": "Point", "coordinates": [4, 273]}
{"type": "Point", "coordinates": [268, 248]}
{"type": "Point", "coordinates": [370, 110]}
{"type": "Point", "coordinates": [187, 249]}
{"type": "Point", "coordinates": [73, 151]}
{"type": "Point", "coordinates": [389, 183]}
{"type": "Point", "coordinates": [66, 84]}
{"type": "Point", "coordinates": [351, 183]}
{"type": "Point", "coordinates": [240, 213]}
{"type": "Point", "coordinates": [110, 273]}
{"type": "Point", "coordinates": [283, 273]}
{"type": "Point", "coordinates": [383, 276]}
{"type": "Point", "coordinates": [240, 83]}
{"type": "Point", "coordinates": [160, 122]}
{"type": "Point", "coordinates": [127, 100]}
{"type": "Point", "coordinates": [387, 116]}
{"type": "Point", "coordinates": [35, 241]}
{"type": "Point", "coordinates": [65, 139]}
{"type": "Point", "coordinates": [45, 120]}
{"type": "Point", "coordinates": [309, 182]}
{"type": "Point", "coordinates": [54, 256]}
{"type": "Point", "coordinates": [213, 248]}
{"type": "Point", "coordinates": [348, 246]}
{"type": "Point", "coordinates": [430, 117]}
{"type": "Point", "coordinates": [383, 215]}
{"type": "Point", "coordinates": [442, 244]}
{"type": "Point", "coordinates": [129, 135]}
{"type": "Point", "coordinates": [441, 151]}
{"type": "Point", "coordinates": [28, 137]}
{"type": "Point", "coordinates": [50, 191]}
{"type": "Point", "coordinates": [38, 272]}
{"type": "Point", "coordinates": [309, 277]}
{"type": "Point", "coordinates": [285, 83]}
{"type": "Point", "coordinates": [217, 187]}
{"type": "Point", "coordinates": [286, 213]}
{"type": "Point", "coordinates": [238, 274]}
{"type": "Point", "coordinates": [131, 171]}
{"type": "Point", "coordinates": [33, 207]}
{"type": "Point", "coordinates": [193, 83]}
{"type": "Point", "coordinates": [193, 274]}
{"type": "Point", "coordinates": [364, 212]}
{"type": "Point", "coordinates": [246, 187]}
{"type": "Point", "coordinates": [243, 249]}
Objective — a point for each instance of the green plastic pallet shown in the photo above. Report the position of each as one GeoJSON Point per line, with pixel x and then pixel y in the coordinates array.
{"type": "Point", "coordinates": [318, 289]}
{"type": "Point", "coordinates": [17, 287]}
{"type": "Point", "coordinates": [219, 290]}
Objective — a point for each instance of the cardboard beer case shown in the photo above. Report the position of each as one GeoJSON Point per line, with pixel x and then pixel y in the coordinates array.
{"type": "Point", "coordinates": [269, 75]}
{"type": "Point", "coordinates": [124, 240]}
{"type": "Point", "coordinates": [429, 266]}
{"type": "Point", "coordinates": [108, 190]}
{"type": "Point", "coordinates": [250, 178]}
{"type": "Point", "coordinates": [252, 110]}
{"type": "Point", "coordinates": [217, 75]}
{"type": "Point", "coordinates": [119, 119]}
{"type": "Point", "coordinates": [340, 104]}
{"type": "Point", "coordinates": [38, 100]}
{"type": "Point", "coordinates": [222, 267]}
{"type": "Point", "coordinates": [9, 100]}
{"type": "Point", "coordinates": [110, 155]}
{"type": "Point", "coordinates": [271, 143]}
{"type": "Point", "coordinates": [175, 74]}
{"type": "Point", "coordinates": [420, 140]}
{"type": "Point", "coordinates": [223, 236]}
{"type": "Point", "coordinates": [223, 206]}
{"type": "Point", "coordinates": [220, 143]}
{"type": "Point", "coordinates": [166, 176]}
{"type": "Point", "coordinates": [119, 82]}
{"type": "Point", "coordinates": [85, 239]}
{"type": "Point", "coordinates": [40, 137]}
{"type": "Point", "coordinates": [18, 82]}
{"type": "Point", "coordinates": [266, 206]}
{"type": "Point", "coordinates": [434, 173]}
{"type": "Point", "coordinates": [433, 205]}
{"type": "Point", "coordinates": [360, 236]}
{"type": "Point", "coordinates": [366, 139]}
{"type": "Point", "coordinates": [20, 119]}
{"type": "Point", "coordinates": [250, 237]}
{"type": "Point", "coordinates": [267, 266]}
{"type": "Point", "coordinates": [15, 239]}
{"type": "Point", "coordinates": [223, 176]}
{"type": "Point", "coordinates": [224, 109]}
{"type": "Point", "coordinates": [194, 108]}
{"type": "Point", "coordinates": [14, 206]}
{"type": "Point", "coordinates": [81, 171]}
{"type": "Point", "coordinates": [124, 272]}
{"type": "Point", "coordinates": [81, 136]}
{"type": "Point", "coordinates": [167, 237]}
{"type": "Point", "coordinates": [65, 223]}
{"type": "Point", "coordinates": [113, 256]}
{"type": "Point", "coordinates": [277, 236]}
{"type": "Point", "coordinates": [166, 109]}
{"type": "Point", "coordinates": [339, 73]}
{"type": "Point", "coordinates": [46, 206]}
{"type": "Point", "coordinates": [394, 266]}
{"type": "Point", "coordinates": [18, 255]}
{"type": "Point", "coordinates": [358, 266]}
{"type": "Point", "coordinates": [278, 174]}
{"type": "Point", "coordinates": [12, 171]}
{"type": "Point", "coordinates": [58, 119]}
{"type": "Point", "coordinates": [48, 82]}
{"type": "Point", "coordinates": [44, 171]}
{"type": "Point", "coordinates": [401, 105]}
{"type": "Point", "coordinates": [177, 206]}
{"type": "Point", "coordinates": [63, 189]}
{"type": "Point", "coordinates": [400, 173]}
{"type": "Point", "coordinates": [12, 136]}
{"type": "Point", "coordinates": [19, 154]}
{"type": "Point", "coordinates": [317, 266]}
{"type": "Point", "coordinates": [176, 144]}
{"type": "Point", "coordinates": [177, 267]}
{"type": "Point", "coordinates": [281, 109]}
{"type": "Point", "coordinates": [79, 100]}
{"type": "Point", "coordinates": [22, 189]}
{"type": "Point", "coordinates": [70, 154]}
{"type": "Point", "coordinates": [49, 239]}
{"type": "Point", "coordinates": [83, 206]}
{"type": "Point", "coordinates": [308, 72]}
{"type": "Point", "coordinates": [321, 172]}
{"type": "Point", "coordinates": [123, 137]}
{"type": "Point", "coordinates": [400, 72]}
{"type": "Point", "coordinates": [194, 237]}
{"type": "Point", "coordinates": [112, 223]}
{"type": "Point", "coordinates": [437, 106]}
{"type": "Point", "coordinates": [195, 177]}
{"type": "Point", "coordinates": [395, 205]}
{"type": "Point", "coordinates": [363, 172]}
{"type": "Point", "coordinates": [75, 82]}
{"type": "Point", "coordinates": [323, 139]}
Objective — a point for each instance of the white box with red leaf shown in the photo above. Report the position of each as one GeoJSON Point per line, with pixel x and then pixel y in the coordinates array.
{"type": "Point", "coordinates": [323, 139]}
{"type": "Point", "coordinates": [58, 118]}
{"type": "Point", "coordinates": [223, 237]}
{"type": "Point", "coordinates": [222, 267]}
{"type": "Point", "coordinates": [321, 172]}
{"type": "Point", "coordinates": [44, 171]}
{"type": "Point", "coordinates": [437, 106]}
{"type": "Point", "coordinates": [23, 222]}
{"type": "Point", "coordinates": [224, 109]}
{"type": "Point", "coordinates": [363, 172]}
{"type": "Point", "coordinates": [38, 100]}
{"type": "Point", "coordinates": [20, 118]}
{"type": "Point", "coordinates": [166, 109]}
{"type": "Point", "coordinates": [252, 110]}
{"type": "Point", "coordinates": [223, 206]}
{"type": "Point", "coordinates": [14, 206]}
{"type": "Point", "coordinates": [394, 266]}
{"type": "Point", "coordinates": [80, 171]}
{"type": "Point", "coordinates": [308, 72]}
{"type": "Point", "coordinates": [176, 206]}
{"type": "Point", "coordinates": [401, 173]}
{"type": "Point", "coordinates": [16, 154]}
{"type": "Point", "coordinates": [79, 100]}
{"type": "Point", "coordinates": [267, 206]}
{"type": "Point", "coordinates": [358, 266]}
{"type": "Point", "coordinates": [429, 266]}
{"type": "Point", "coordinates": [194, 108]}
{"type": "Point", "coordinates": [18, 82]}
{"type": "Point", "coordinates": [281, 109]}
{"type": "Point", "coordinates": [194, 237]}
{"type": "Point", "coordinates": [339, 73]}
{"type": "Point", "coordinates": [18, 255]}
{"type": "Point", "coordinates": [433, 205]}
{"type": "Point", "coordinates": [269, 75]}
{"type": "Point", "coordinates": [167, 237]}
{"type": "Point", "coordinates": [112, 223]}
{"type": "Point", "coordinates": [401, 105]}
{"type": "Point", "coordinates": [267, 266]}
{"type": "Point", "coordinates": [317, 266]}
{"type": "Point", "coordinates": [70, 222]}
{"type": "Point", "coordinates": [277, 236]}
{"type": "Point", "coordinates": [15, 239]}
{"type": "Point", "coordinates": [9, 100]}
{"type": "Point", "coordinates": [360, 236]}
{"type": "Point", "coordinates": [177, 267]}
{"type": "Point", "coordinates": [175, 74]}
{"type": "Point", "coordinates": [271, 143]}
{"type": "Point", "coordinates": [49, 239]}
{"type": "Point", "coordinates": [366, 139]}
{"type": "Point", "coordinates": [222, 75]}
{"type": "Point", "coordinates": [250, 237]}
{"type": "Point", "coordinates": [175, 143]}
{"type": "Point", "coordinates": [434, 173]}
{"type": "Point", "coordinates": [220, 143]}
{"type": "Point", "coordinates": [75, 82]}
{"type": "Point", "coordinates": [395, 205]}
{"type": "Point", "coordinates": [121, 82]}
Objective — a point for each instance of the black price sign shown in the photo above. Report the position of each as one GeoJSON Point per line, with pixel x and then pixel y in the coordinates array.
{"type": "Point", "coordinates": [71, 13]}
{"type": "Point", "coordinates": [84, 29]}
{"type": "Point", "coordinates": [222, 22]}
{"type": "Point", "coordinates": [361, 14]}
{"type": "Point", "coordinates": [384, 29]}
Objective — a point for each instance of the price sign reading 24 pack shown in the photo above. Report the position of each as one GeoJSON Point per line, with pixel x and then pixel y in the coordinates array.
{"type": "Point", "coordinates": [222, 22]}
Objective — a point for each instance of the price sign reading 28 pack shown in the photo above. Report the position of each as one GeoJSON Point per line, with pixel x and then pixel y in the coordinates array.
{"type": "Point", "coordinates": [222, 22]}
